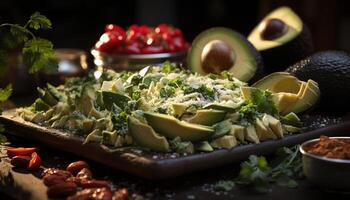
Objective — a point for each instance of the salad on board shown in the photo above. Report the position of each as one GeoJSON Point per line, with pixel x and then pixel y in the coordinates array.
{"type": "Point", "coordinates": [164, 109]}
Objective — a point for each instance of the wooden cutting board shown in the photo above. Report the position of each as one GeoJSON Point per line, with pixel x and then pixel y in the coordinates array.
{"type": "Point", "coordinates": [153, 165]}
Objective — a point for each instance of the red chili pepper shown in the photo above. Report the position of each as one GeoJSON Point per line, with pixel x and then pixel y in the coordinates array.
{"type": "Point", "coordinates": [35, 162]}
{"type": "Point", "coordinates": [21, 151]}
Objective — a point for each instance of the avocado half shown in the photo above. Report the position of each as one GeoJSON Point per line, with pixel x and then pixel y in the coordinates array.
{"type": "Point", "coordinates": [282, 39]}
{"type": "Point", "coordinates": [331, 70]}
{"type": "Point", "coordinates": [219, 49]}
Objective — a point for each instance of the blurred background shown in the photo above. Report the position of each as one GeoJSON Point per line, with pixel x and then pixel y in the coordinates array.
{"type": "Point", "coordinates": [79, 23]}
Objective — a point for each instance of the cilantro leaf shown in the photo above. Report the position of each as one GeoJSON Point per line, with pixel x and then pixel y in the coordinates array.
{"type": "Point", "coordinates": [262, 99]}
{"type": "Point", "coordinates": [19, 32]}
{"type": "Point", "coordinates": [258, 173]}
{"type": "Point", "coordinates": [167, 91]}
{"type": "Point", "coordinates": [3, 138]}
{"type": "Point", "coordinates": [224, 186]}
{"type": "Point", "coordinates": [5, 93]}
{"type": "Point", "coordinates": [255, 172]}
{"type": "Point", "coordinates": [38, 53]}
{"type": "Point", "coordinates": [168, 67]}
{"type": "Point", "coordinates": [38, 21]}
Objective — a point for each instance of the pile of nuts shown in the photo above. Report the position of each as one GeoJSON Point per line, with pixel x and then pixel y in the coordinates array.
{"type": "Point", "coordinates": [74, 183]}
{"type": "Point", "coordinates": [77, 183]}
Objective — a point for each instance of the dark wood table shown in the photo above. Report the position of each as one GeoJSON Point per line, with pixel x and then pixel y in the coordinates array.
{"type": "Point", "coordinates": [17, 184]}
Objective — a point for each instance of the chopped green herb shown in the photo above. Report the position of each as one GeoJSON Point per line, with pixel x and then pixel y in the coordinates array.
{"type": "Point", "coordinates": [5, 93]}
{"type": "Point", "coordinates": [258, 173]}
{"type": "Point", "coordinates": [168, 67]}
{"type": "Point", "coordinates": [167, 91]}
{"type": "Point", "coordinates": [224, 186]}
{"type": "Point", "coordinates": [262, 99]}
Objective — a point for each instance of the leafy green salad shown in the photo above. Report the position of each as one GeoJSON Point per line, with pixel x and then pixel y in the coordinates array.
{"type": "Point", "coordinates": [165, 109]}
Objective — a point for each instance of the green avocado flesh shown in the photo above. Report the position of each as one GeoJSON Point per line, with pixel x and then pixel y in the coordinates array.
{"type": "Point", "coordinates": [110, 98]}
{"type": "Point", "coordinates": [221, 107]}
{"type": "Point", "coordinates": [207, 117]}
{"type": "Point", "coordinates": [219, 49]}
{"type": "Point", "coordinates": [294, 26]}
{"type": "Point", "coordinates": [145, 136]}
{"type": "Point", "coordinates": [288, 93]}
{"type": "Point", "coordinates": [171, 127]}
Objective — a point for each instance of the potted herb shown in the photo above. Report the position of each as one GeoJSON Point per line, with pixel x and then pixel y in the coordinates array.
{"type": "Point", "coordinates": [22, 52]}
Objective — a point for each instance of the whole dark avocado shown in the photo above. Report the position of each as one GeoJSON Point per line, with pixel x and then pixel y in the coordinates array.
{"type": "Point", "coordinates": [331, 70]}
{"type": "Point", "coordinates": [282, 39]}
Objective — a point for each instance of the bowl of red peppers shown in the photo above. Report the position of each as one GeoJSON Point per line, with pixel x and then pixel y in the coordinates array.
{"type": "Point", "coordinates": [139, 46]}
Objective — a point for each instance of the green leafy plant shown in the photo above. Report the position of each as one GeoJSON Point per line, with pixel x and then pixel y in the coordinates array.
{"type": "Point", "coordinates": [37, 52]}
{"type": "Point", "coordinates": [4, 95]}
{"type": "Point", "coordinates": [259, 174]}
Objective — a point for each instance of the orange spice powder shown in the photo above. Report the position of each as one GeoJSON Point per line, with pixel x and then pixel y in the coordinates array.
{"type": "Point", "coordinates": [331, 148]}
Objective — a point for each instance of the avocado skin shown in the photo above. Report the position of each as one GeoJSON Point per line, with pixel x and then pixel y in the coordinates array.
{"type": "Point", "coordinates": [279, 58]}
{"type": "Point", "coordinates": [331, 70]}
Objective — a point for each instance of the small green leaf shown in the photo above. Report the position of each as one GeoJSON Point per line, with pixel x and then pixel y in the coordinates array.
{"type": "Point", "coordinates": [3, 139]}
{"type": "Point", "coordinates": [38, 53]}
{"type": "Point", "coordinates": [224, 186]}
{"type": "Point", "coordinates": [38, 21]}
{"type": "Point", "coordinates": [5, 93]}
{"type": "Point", "coordinates": [19, 32]}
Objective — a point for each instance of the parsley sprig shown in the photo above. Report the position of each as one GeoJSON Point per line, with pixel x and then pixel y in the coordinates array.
{"type": "Point", "coordinates": [4, 95]}
{"type": "Point", "coordinates": [259, 174]}
{"type": "Point", "coordinates": [37, 52]}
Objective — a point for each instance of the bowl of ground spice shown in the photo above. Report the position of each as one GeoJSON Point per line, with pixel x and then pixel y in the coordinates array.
{"type": "Point", "coordinates": [326, 162]}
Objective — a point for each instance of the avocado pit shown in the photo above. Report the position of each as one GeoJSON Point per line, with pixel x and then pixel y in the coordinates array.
{"type": "Point", "coordinates": [272, 29]}
{"type": "Point", "coordinates": [217, 56]}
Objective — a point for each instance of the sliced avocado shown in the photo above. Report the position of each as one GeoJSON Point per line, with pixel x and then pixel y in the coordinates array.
{"type": "Point", "coordinates": [288, 93]}
{"type": "Point", "coordinates": [291, 119]}
{"type": "Point", "coordinates": [207, 117]}
{"type": "Point", "coordinates": [226, 141]}
{"type": "Point", "coordinates": [215, 106]}
{"type": "Point", "coordinates": [204, 146]}
{"type": "Point", "coordinates": [221, 128]}
{"type": "Point", "coordinates": [109, 137]}
{"type": "Point", "coordinates": [238, 132]}
{"type": "Point", "coordinates": [110, 98]}
{"type": "Point", "coordinates": [171, 127]}
{"type": "Point", "coordinates": [55, 93]}
{"type": "Point", "coordinates": [307, 99]}
{"type": "Point", "coordinates": [282, 38]}
{"type": "Point", "coordinates": [263, 131]}
{"type": "Point", "coordinates": [40, 105]}
{"type": "Point", "coordinates": [330, 69]}
{"type": "Point", "coordinates": [145, 136]}
{"type": "Point", "coordinates": [279, 82]}
{"type": "Point", "coordinates": [284, 101]}
{"type": "Point", "coordinates": [178, 109]}
{"type": "Point", "coordinates": [281, 100]}
{"type": "Point", "coordinates": [181, 146]}
{"type": "Point", "coordinates": [291, 129]}
{"type": "Point", "coordinates": [47, 97]}
{"type": "Point", "coordinates": [250, 134]}
{"type": "Point", "coordinates": [218, 49]}
{"type": "Point", "coordinates": [274, 124]}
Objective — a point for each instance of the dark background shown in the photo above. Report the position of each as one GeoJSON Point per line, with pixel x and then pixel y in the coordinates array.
{"type": "Point", "coordinates": [79, 23]}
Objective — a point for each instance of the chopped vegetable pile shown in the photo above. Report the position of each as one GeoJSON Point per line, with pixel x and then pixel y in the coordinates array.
{"type": "Point", "coordinates": [161, 109]}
